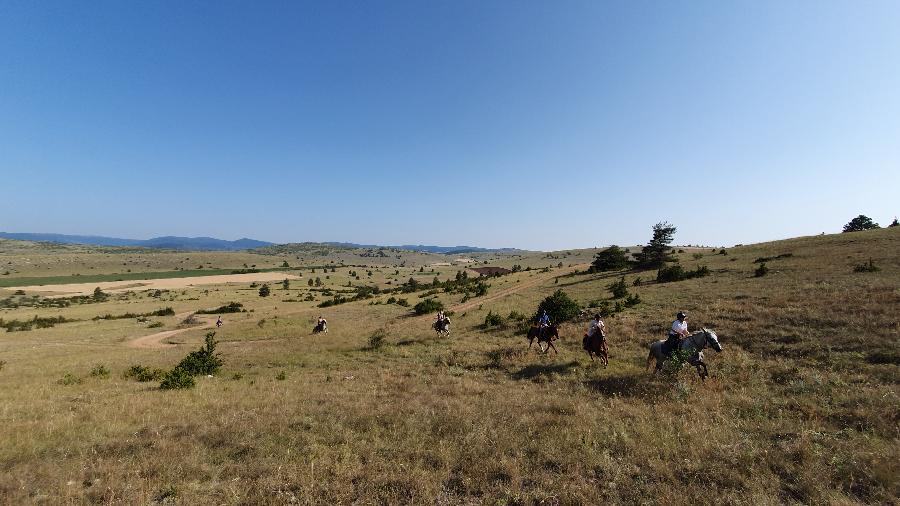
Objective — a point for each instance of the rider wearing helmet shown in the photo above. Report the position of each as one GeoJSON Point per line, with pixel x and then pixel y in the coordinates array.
{"type": "Point", "coordinates": [679, 330]}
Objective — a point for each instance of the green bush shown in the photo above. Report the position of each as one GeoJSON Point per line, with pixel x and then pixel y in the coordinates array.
{"type": "Point", "coordinates": [618, 289]}
{"type": "Point", "coordinates": [515, 315]}
{"type": "Point", "coordinates": [141, 373]}
{"type": "Point", "coordinates": [281, 376]}
{"type": "Point", "coordinates": [177, 378]}
{"type": "Point", "coordinates": [868, 267]}
{"type": "Point", "coordinates": [861, 222]}
{"type": "Point", "coordinates": [761, 271]}
{"type": "Point", "coordinates": [559, 306]}
{"type": "Point", "coordinates": [166, 311]}
{"type": "Point", "coordinates": [611, 259]}
{"type": "Point", "coordinates": [376, 340]}
{"type": "Point", "coordinates": [492, 320]}
{"type": "Point", "coordinates": [155, 325]}
{"type": "Point", "coordinates": [677, 273]}
{"type": "Point", "coordinates": [69, 379]}
{"type": "Point", "coordinates": [100, 371]}
{"type": "Point", "coordinates": [403, 302]}
{"type": "Point", "coordinates": [203, 361]}
{"type": "Point", "coordinates": [632, 300]}
{"type": "Point", "coordinates": [231, 307]}
{"type": "Point", "coordinates": [428, 306]}
{"type": "Point", "coordinates": [264, 290]}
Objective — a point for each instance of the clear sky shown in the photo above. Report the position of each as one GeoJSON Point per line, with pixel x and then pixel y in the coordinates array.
{"type": "Point", "coordinates": [540, 125]}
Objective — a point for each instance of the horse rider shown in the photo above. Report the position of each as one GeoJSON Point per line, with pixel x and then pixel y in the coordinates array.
{"type": "Point", "coordinates": [321, 323]}
{"type": "Point", "coordinates": [595, 326]}
{"type": "Point", "coordinates": [678, 331]}
{"type": "Point", "coordinates": [543, 322]}
{"type": "Point", "coordinates": [439, 319]}
{"type": "Point", "coordinates": [219, 322]}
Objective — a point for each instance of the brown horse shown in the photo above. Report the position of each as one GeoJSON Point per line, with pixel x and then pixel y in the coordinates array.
{"type": "Point", "coordinates": [543, 335]}
{"type": "Point", "coordinates": [596, 345]}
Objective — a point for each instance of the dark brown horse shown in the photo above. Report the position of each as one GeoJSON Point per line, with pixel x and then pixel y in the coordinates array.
{"type": "Point", "coordinates": [544, 335]}
{"type": "Point", "coordinates": [596, 345]}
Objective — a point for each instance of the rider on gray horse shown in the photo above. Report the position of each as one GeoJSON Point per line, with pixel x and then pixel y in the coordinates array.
{"type": "Point", "coordinates": [678, 331]}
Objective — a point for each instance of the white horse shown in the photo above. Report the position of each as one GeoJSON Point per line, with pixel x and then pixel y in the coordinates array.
{"type": "Point", "coordinates": [693, 345]}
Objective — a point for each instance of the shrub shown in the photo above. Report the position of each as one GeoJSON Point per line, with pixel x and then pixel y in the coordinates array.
{"type": "Point", "coordinates": [515, 315]}
{"type": "Point", "coordinates": [286, 284]}
{"type": "Point", "coordinates": [632, 300]}
{"type": "Point", "coordinates": [559, 306]}
{"type": "Point", "coordinates": [761, 271]}
{"type": "Point", "coordinates": [141, 373]}
{"type": "Point", "coordinates": [677, 273]}
{"type": "Point", "coordinates": [203, 361]}
{"type": "Point", "coordinates": [281, 376]}
{"type": "Point", "coordinates": [69, 379]}
{"type": "Point", "coordinates": [231, 307]}
{"type": "Point", "coordinates": [403, 302]}
{"type": "Point", "coordinates": [636, 282]}
{"type": "Point", "coordinates": [264, 290]}
{"type": "Point", "coordinates": [867, 267]}
{"type": "Point", "coordinates": [492, 320]}
{"type": "Point", "coordinates": [100, 371]}
{"type": "Point", "coordinates": [610, 259]}
{"type": "Point", "coordinates": [894, 223]}
{"type": "Point", "coordinates": [618, 289]}
{"type": "Point", "coordinates": [428, 306]}
{"type": "Point", "coordinates": [177, 378]}
{"type": "Point", "coordinates": [166, 311]}
{"type": "Point", "coordinates": [99, 296]}
{"type": "Point", "coordinates": [376, 340]}
{"type": "Point", "coordinates": [861, 222]}
{"type": "Point", "coordinates": [155, 325]}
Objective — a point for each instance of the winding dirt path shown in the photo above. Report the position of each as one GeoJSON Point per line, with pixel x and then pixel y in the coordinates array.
{"type": "Point", "coordinates": [155, 341]}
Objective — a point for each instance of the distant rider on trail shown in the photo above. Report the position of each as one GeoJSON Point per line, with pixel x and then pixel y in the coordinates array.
{"type": "Point", "coordinates": [678, 331]}
{"type": "Point", "coordinates": [219, 322]}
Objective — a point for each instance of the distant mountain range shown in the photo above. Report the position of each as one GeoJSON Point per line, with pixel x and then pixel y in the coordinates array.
{"type": "Point", "coordinates": [212, 244]}
{"type": "Point", "coordinates": [442, 250]}
{"type": "Point", "coordinates": [168, 242]}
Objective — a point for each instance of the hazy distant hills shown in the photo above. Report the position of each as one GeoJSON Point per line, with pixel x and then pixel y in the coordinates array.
{"type": "Point", "coordinates": [168, 242]}
{"type": "Point", "coordinates": [213, 244]}
{"type": "Point", "coordinates": [444, 250]}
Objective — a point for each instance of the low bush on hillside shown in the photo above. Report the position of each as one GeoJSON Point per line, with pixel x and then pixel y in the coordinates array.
{"type": "Point", "coordinates": [36, 322]}
{"type": "Point", "coordinates": [559, 306]}
{"type": "Point", "coordinates": [677, 273]}
{"type": "Point", "coordinates": [493, 320]}
{"type": "Point", "coordinates": [143, 374]}
{"type": "Point", "coordinates": [69, 379]}
{"type": "Point", "coordinates": [99, 371]}
{"type": "Point", "coordinates": [166, 311]}
{"type": "Point", "coordinates": [428, 306]}
{"type": "Point", "coordinates": [376, 340]}
{"type": "Point", "coordinates": [618, 289]}
{"type": "Point", "coordinates": [776, 257]}
{"type": "Point", "coordinates": [761, 271]}
{"type": "Point", "coordinates": [231, 307]}
{"type": "Point", "coordinates": [204, 361]}
{"type": "Point", "coordinates": [867, 267]}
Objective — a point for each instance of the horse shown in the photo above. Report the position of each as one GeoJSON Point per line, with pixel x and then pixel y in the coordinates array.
{"type": "Point", "coordinates": [693, 345]}
{"type": "Point", "coordinates": [596, 345]}
{"type": "Point", "coordinates": [442, 327]}
{"type": "Point", "coordinates": [320, 327]}
{"type": "Point", "coordinates": [544, 335]}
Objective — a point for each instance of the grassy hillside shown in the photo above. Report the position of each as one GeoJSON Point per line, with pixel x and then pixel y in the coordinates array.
{"type": "Point", "coordinates": [802, 405]}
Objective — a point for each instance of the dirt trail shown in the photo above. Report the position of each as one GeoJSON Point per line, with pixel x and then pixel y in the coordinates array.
{"type": "Point", "coordinates": [156, 340]}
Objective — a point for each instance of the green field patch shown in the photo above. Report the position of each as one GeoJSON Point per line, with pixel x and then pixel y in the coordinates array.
{"type": "Point", "coordinates": [126, 276]}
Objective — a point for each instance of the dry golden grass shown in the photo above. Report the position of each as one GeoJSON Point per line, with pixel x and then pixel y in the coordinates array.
{"type": "Point", "coordinates": [802, 406]}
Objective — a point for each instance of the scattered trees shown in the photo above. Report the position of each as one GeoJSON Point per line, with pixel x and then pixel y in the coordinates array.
{"type": "Point", "coordinates": [559, 306]}
{"type": "Point", "coordinates": [264, 290]}
{"type": "Point", "coordinates": [658, 251]}
{"type": "Point", "coordinates": [861, 222]}
{"type": "Point", "coordinates": [611, 259]}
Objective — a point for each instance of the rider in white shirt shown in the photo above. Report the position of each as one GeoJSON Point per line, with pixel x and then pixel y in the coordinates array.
{"type": "Point", "coordinates": [595, 325]}
{"type": "Point", "coordinates": [679, 330]}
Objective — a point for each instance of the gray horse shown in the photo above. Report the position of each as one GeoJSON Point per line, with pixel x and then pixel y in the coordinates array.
{"type": "Point", "coordinates": [694, 345]}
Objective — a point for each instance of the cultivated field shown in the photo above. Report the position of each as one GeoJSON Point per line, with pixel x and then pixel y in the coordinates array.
{"type": "Point", "coordinates": [802, 405]}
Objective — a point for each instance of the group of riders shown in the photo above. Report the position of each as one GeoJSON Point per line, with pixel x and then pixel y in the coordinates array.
{"type": "Point", "coordinates": [596, 328]}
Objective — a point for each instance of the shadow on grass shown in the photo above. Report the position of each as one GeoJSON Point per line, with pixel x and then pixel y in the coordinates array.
{"type": "Point", "coordinates": [636, 385]}
{"type": "Point", "coordinates": [536, 371]}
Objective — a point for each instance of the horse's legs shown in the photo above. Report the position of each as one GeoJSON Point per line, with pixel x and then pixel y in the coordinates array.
{"type": "Point", "coordinates": [550, 345]}
{"type": "Point", "coordinates": [705, 371]}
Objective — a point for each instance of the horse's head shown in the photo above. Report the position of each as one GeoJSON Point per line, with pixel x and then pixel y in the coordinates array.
{"type": "Point", "coordinates": [712, 339]}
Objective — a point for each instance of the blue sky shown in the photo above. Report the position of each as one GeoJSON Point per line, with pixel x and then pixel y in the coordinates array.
{"type": "Point", "coordinates": [541, 125]}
